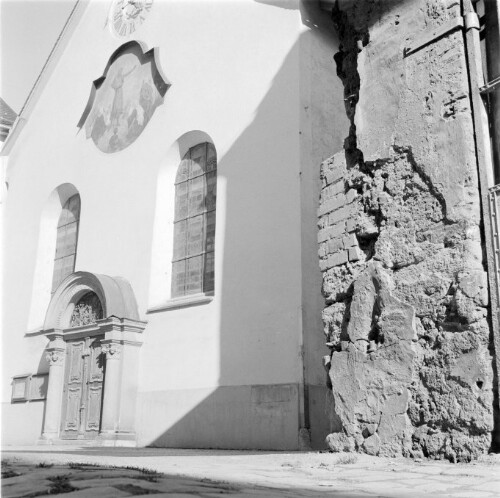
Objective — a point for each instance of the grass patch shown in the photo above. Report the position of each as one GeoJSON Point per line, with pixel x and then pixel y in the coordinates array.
{"type": "Point", "coordinates": [9, 473]}
{"type": "Point", "coordinates": [60, 484]}
{"type": "Point", "coordinates": [95, 466]}
{"type": "Point", "coordinates": [45, 465]}
{"type": "Point", "coordinates": [144, 470]}
{"type": "Point", "coordinates": [221, 485]}
{"type": "Point", "coordinates": [82, 466]}
{"type": "Point", "coordinates": [146, 474]}
{"type": "Point", "coordinates": [136, 490]}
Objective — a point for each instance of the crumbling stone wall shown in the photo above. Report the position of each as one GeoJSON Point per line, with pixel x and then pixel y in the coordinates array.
{"type": "Point", "coordinates": [400, 246]}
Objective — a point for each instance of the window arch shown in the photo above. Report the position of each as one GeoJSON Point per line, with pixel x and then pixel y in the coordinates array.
{"type": "Point", "coordinates": [194, 222]}
{"type": "Point", "coordinates": [67, 239]}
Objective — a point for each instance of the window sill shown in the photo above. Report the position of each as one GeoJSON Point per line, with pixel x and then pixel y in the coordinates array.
{"type": "Point", "coordinates": [182, 302]}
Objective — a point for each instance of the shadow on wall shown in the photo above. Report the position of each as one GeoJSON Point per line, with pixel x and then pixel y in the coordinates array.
{"type": "Point", "coordinates": [244, 411]}
{"type": "Point", "coordinates": [266, 421]}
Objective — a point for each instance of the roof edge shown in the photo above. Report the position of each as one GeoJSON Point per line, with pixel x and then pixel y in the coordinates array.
{"type": "Point", "coordinates": [45, 73]}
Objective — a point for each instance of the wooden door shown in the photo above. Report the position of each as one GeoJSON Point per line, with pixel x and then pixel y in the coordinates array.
{"type": "Point", "coordinates": [83, 388]}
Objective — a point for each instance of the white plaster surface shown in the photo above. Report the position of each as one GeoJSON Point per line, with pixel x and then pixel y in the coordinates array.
{"type": "Point", "coordinates": [241, 82]}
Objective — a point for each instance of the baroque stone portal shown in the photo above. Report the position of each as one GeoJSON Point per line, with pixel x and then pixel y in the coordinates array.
{"type": "Point", "coordinates": [94, 334]}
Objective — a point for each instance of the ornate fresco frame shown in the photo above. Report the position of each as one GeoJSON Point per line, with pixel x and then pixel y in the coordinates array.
{"type": "Point", "coordinates": [144, 55]}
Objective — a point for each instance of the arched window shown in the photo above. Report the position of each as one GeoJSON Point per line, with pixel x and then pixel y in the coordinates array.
{"type": "Point", "coordinates": [194, 222]}
{"type": "Point", "coordinates": [67, 238]}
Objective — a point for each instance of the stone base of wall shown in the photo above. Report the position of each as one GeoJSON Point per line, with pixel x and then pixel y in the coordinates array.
{"type": "Point", "coordinates": [260, 417]}
{"type": "Point", "coordinates": [22, 422]}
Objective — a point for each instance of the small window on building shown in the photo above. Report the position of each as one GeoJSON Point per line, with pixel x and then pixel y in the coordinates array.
{"type": "Point", "coordinates": [67, 239]}
{"type": "Point", "coordinates": [194, 222]}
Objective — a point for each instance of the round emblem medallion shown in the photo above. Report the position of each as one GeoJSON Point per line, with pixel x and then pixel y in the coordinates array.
{"type": "Point", "coordinates": [126, 16]}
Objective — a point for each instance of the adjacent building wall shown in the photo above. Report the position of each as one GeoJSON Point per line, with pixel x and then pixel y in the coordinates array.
{"type": "Point", "coordinates": [401, 251]}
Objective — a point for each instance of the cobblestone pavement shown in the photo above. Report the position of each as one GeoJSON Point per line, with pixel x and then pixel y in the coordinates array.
{"type": "Point", "coordinates": [100, 472]}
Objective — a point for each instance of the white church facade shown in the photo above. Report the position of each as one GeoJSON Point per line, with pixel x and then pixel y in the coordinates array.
{"type": "Point", "coordinates": [161, 283]}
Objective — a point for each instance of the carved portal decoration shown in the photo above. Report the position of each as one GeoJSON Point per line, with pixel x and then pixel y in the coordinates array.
{"type": "Point", "coordinates": [112, 351]}
{"type": "Point", "coordinates": [115, 295]}
{"type": "Point", "coordinates": [87, 310]}
{"type": "Point", "coordinates": [55, 357]}
{"type": "Point", "coordinates": [124, 99]}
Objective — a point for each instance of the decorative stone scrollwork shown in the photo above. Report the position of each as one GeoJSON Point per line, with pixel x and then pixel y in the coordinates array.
{"type": "Point", "coordinates": [82, 315]}
{"type": "Point", "coordinates": [55, 357]}
{"type": "Point", "coordinates": [112, 351]}
{"type": "Point", "coordinates": [87, 311]}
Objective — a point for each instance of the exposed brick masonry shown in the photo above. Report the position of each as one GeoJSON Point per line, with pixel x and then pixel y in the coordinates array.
{"type": "Point", "coordinates": [337, 241]}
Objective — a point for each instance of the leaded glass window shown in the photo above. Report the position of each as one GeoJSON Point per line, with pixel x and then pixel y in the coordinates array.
{"type": "Point", "coordinates": [194, 222]}
{"type": "Point", "coordinates": [67, 238]}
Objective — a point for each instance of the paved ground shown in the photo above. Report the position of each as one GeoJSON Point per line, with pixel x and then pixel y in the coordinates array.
{"type": "Point", "coordinates": [84, 471]}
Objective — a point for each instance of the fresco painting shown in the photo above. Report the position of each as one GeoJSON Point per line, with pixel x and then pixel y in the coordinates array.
{"type": "Point", "coordinates": [124, 103]}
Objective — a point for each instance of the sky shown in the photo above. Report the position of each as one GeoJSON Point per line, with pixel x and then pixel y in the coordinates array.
{"type": "Point", "coordinates": [28, 31]}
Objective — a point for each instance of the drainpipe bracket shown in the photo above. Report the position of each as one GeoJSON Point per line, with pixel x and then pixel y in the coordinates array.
{"type": "Point", "coordinates": [471, 20]}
